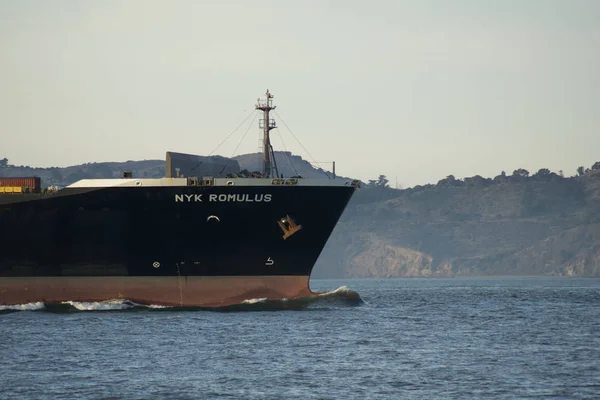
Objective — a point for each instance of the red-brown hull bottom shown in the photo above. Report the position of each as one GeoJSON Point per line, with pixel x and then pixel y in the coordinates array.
{"type": "Point", "coordinates": [195, 291]}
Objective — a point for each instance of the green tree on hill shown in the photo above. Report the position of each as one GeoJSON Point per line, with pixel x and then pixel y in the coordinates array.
{"type": "Point", "coordinates": [4, 163]}
{"type": "Point", "coordinates": [522, 172]}
{"type": "Point", "coordinates": [382, 181]}
{"type": "Point", "coordinates": [596, 166]}
{"type": "Point", "coordinates": [448, 181]}
{"type": "Point", "coordinates": [543, 172]}
{"type": "Point", "coordinates": [580, 171]}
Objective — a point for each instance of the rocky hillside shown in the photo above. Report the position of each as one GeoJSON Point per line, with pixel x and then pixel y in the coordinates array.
{"type": "Point", "coordinates": [517, 225]}
{"type": "Point", "coordinates": [56, 176]}
{"type": "Point", "coordinates": [288, 164]}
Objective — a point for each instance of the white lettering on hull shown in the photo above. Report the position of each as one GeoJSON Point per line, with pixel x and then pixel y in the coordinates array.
{"type": "Point", "coordinates": [224, 198]}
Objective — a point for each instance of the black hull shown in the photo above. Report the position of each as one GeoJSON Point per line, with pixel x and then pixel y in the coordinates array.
{"type": "Point", "coordinates": [167, 231]}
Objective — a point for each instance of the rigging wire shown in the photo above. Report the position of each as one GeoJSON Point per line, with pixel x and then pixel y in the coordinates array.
{"type": "Point", "coordinates": [274, 162]}
{"type": "Point", "coordinates": [289, 159]}
{"type": "Point", "coordinates": [224, 140]}
{"type": "Point", "coordinates": [288, 128]}
{"type": "Point", "coordinates": [240, 142]}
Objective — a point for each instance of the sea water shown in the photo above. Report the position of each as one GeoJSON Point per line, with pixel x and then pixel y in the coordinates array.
{"type": "Point", "coordinates": [492, 338]}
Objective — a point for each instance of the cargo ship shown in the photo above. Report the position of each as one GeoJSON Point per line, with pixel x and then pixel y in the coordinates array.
{"type": "Point", "coordinates": [205, 235]}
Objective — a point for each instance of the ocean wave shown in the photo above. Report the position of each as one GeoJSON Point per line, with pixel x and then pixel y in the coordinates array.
{"type": "Point", "coordinates": [254, 301]}
{"type": "Point", "coordinates": [23, 307]}
{"type": "Point", "coordinates": [108, 305]}
{"type": "Point", "coordinates": [343, 291]}
{"type": "Point", "coordinates": [342, 296]}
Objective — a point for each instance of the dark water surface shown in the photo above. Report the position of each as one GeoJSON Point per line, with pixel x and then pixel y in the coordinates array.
{"type": "Point", "coordinates": [493, 338]}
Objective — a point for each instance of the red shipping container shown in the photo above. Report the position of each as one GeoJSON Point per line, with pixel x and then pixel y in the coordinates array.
{"type": "Point", "coordinates": [33, 182]}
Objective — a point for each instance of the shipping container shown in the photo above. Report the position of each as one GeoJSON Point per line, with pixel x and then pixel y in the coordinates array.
{"type": "Point", "coordinates": [31, 183]}
{"type": "Point", "coordinates": [13, 189]}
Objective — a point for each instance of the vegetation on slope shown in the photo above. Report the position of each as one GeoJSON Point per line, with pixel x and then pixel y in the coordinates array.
{"type": "Point", "coordinates": [544, 224]}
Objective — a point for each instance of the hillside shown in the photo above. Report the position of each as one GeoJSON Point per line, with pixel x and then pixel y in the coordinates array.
{"type": "Point", "coordinates": [289, 165]}
{"type": "Point", "coordinates": [540, 225]}
{"type": "Point", "coordinates": [543, 224]}
{"type": "Point", "coordinates": [55, 176]}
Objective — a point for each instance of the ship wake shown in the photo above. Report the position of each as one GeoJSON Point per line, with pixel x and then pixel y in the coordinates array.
{"type": "Point", "coordinates": [340, 297]}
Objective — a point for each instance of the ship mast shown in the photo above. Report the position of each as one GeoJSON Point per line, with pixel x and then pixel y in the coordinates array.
{"type": "Point", "coordinates": [269, 163]}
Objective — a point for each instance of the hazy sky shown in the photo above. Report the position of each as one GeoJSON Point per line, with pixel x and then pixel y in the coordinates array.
{"type": "Point", "coordinates": [414, 89]}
